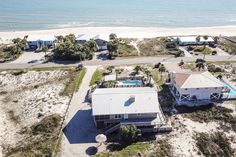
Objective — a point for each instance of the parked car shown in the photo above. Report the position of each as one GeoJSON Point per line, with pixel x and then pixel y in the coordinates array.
{"type": "Point", "coordinates": [200, 60]}
{"type": "Point", "coordinates": [79, 66]}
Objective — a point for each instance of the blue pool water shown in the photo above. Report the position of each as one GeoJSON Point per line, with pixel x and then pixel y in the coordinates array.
{"type": "Point", "coordinates": [132, 82]}
{"type": "Point", "coordinates": [46, 14]}
{"type": "Point", "coordinates": [232, 91]}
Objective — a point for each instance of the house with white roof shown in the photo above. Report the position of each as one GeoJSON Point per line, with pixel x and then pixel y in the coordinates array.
{"type": "Point", "coordinates": [36, 41]}
{"type": "Point", "coordinates": [113, 107]}
{"type": "Point", "coordinates": [191, 40]}
{"type": "Point", "coordinates": [82, 38]}
{"type": "Point", "coordinates": [193, 86]}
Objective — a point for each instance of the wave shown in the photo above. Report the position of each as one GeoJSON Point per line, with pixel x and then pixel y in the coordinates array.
{"type": "Point", "coordinates": [75, 24]}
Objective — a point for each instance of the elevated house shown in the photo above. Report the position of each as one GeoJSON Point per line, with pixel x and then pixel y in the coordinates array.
{"type": "Point", "coordinates": [102, 43]}
{"type": "Point", "coordinates": [37, 41]}
{"type": "Point", "coordinates": [113, 107]}
{"type": "Point", "coordinates": [191, 40]}
{"type": "Point", "coordinates": [195, 86]}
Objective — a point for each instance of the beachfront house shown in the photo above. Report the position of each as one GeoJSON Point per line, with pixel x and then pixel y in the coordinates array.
{"type": "Point", "coordinates": [191, 40]}
{"type": "Point", "coordinates": [195, 86]}
{"type": "Point", "coordinates": [38, 41]}
{"type": "Point", "coordinates": [102, 43]}
{"type": "Point", "coordinates": [113, 107]}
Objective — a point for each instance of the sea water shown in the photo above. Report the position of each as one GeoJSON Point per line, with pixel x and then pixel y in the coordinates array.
{"type": "Point", "coordinates": [48, 14]}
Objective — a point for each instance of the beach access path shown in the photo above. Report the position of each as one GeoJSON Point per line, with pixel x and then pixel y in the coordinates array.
{"type": "Point", "coordinates": [79, 131]}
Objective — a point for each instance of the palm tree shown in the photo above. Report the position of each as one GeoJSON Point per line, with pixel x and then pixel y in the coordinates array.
{"type": "Point", "coordinates": [137, 69]}
{"type": "Point", "coordinates": [200, 65]}
{"type": "Point", "coordinates": [216, 38]}
{"type": "Point", "coordinates": [198, 38]}
{"type": "Point", "coordinates": [112, 37]}
{"type": "Point", "coordinates": [45, 50]}
{"type": "Point", "coordinates": [205, 37]}
{"type": "Point", "coordinates": [118, 71]}
{"type": "Point", "coordinates": [112, 47]}
{"type": "Point", "coordinates": [162, 69]}
{"type": "Point", "coordinates": [148, 75]}
{"type": "Point", "coordinates": [110, 68]}
{"type": "Point", "coordinates": [59, 39]}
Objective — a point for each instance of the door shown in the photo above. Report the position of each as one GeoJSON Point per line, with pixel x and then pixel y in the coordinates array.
{"type": "Point", "coordinates": [126, 116]}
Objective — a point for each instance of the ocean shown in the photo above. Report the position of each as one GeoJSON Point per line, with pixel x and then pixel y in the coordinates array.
{"type": "Point", "coordinates": [18, 15]}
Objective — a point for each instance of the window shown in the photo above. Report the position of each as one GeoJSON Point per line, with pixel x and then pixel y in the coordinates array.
{"type": "Point", "coordinates": [139, 114]}
{"type": "Point", "coordinates": [214, 96]}
{"type": "Point", "coordinates": [185, 97]}
{"type": "Point", "coordinates": [117, 116]}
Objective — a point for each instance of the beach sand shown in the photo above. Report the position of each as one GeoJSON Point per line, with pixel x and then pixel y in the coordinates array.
{"type": "Point", "coordinates": [131, 32]}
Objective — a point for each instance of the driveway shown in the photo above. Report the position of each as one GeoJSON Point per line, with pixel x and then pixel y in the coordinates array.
{"type": "Point", "coordinates": [186, 53]}
{"type": "Point", "coordinates": [79, 131]}
{"type": "Point", "coordinates": [30, 58]}
{"type": "Point", "coordinates": [220, 52]}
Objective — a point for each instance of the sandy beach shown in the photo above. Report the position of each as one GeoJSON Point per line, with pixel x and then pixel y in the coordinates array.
{"type": "Point", "coordinates": [131, 32]}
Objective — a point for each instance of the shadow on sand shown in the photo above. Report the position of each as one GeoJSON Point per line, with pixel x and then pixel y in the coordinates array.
{"type": "Point", "coordinates": [81, 128]}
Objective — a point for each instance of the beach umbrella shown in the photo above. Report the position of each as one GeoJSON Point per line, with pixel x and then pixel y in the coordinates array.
{"type": "Point", "coordinates": [101, 138]}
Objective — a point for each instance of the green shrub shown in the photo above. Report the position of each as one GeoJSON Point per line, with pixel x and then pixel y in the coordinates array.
{"type": "Point", "coordinates": [128, 134]}
{"type": "Point", "coordinates": [214, 145]}
{"type": "Point", "coordinates": [97, 76]}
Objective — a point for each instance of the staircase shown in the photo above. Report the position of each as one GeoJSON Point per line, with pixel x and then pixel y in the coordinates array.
{"type": "Point", "coordinates": [112, 129]}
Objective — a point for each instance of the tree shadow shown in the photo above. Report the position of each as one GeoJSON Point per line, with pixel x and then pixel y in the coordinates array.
{"type": "Point", "coordinates": [91, 150]}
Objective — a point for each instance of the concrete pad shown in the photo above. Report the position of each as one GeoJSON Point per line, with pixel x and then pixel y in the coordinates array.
{"type": "Point", "coordinates": [30, 58]}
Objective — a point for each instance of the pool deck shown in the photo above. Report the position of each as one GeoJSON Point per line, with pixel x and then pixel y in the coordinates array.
{"type": "Point", "coordinates": [231, 95]}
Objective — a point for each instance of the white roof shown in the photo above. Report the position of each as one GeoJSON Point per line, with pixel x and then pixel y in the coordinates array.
{"type": "Point", "coordinates": [87, 37]}
{"type": "Point", "coordinates": [41, 37]}
{"type": "Point", "coordinates": [197, 80]}
{"type": "Point", "coordinates": [110, 101]}
{"type": "Point", "coordinates": [111, 77]}
{"type": "Point", "coordinates": [193, 39]}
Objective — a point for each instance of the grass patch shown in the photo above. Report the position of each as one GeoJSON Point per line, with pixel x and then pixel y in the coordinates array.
{"type": "Point", "coordinates": [158, 46]}
{"type": "Point", "coordinates": [74, 83]}
{"type": "Point", "coordinates": [158, 78]}
{"type": "Point", "coordinates": [153, 47]}
{"type": "Point", "coordinates": [190, 66]}
{"type": "Point", "coordinates": [51, 68]}
{"type": "Point", "coordinates": [43, 137]}
{"type": "Point", "coordinates": [214, 145]}
{"type": "Point", "coordinates": [209, 113]}
{"type": "Point", "coordinates": [227, 46]}
{"type": "Point", "coordinates": [166, 99]}
{"type": "Point", "coordinates": [126, 50]}
{"type": "Point", "coordinates": [97, 76]}
{"type": "Point", "coordinates": [202, 49]}
{"type": "Point", "coordinates": [135, 149]}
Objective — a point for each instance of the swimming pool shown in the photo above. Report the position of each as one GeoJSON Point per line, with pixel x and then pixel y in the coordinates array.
{"type": "Point", "coordinates": [232, 91]}
{"type": "Point", "coordinates": [131, 82]}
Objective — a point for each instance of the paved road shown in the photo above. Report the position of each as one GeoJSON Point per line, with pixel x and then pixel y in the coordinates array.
{"type": "Point", "coordinates": [79, 131]}
{"type": "Point", "coordinates": [124, 61]}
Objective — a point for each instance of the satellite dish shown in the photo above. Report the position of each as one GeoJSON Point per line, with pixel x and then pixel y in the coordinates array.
{"type": "Point", "coordinates": [101, 138]}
